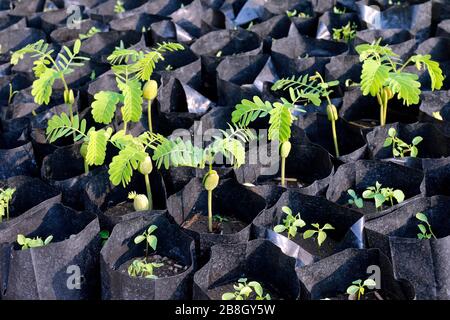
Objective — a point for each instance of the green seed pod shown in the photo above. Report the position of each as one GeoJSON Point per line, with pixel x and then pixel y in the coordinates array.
{"type": "Point", "coordinates": [69, 97]}
{"type": "Point", "coordinates": [140, 203]}
{"type": "Point", "coordinates": [211, 180]}
{"type": "Point", "coordinates": [146, 166]}
{"type": "Point", "coordinates": [332, 112]}
{"type": "Point", "coordinates": [150, 90]}
{"type": "Point", "coordinates": [83, 150]}
{"type": "Point", "coordinates": [285, 149]}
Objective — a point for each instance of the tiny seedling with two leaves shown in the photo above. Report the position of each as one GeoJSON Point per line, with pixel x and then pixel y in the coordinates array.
{"type": "Point", "coordinates": [381, 195]}
{"type": "Point", "coordinates": [424, 234]}
{"type": "Point", "coordinates": [291, 223]}
{"type": "Point", "coordinates": [28, 243]}
{"type": "Point", "coordinates": [401, 148]}
{"type": "Point", "coordinates": [5, 199]}
{"type": "Point", "coordinates": [383, 75]}
{"type": "Point", "coordinates": [243, 290]}
{"type": "Point", "coordinates": [358, 287]}
{"type": "Point", "coordinates": [355, 199]}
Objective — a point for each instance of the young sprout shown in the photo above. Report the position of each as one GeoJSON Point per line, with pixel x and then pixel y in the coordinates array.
{"type": "Point", "coordinates": [220, 219]}
{"type": "Point", "coordinates": [118, 7]}
{"type": "Point", "coordinates": [149, 238]}
{"type": "Point", "coordinates": [92, 31]}
{"type": "Point", "coordinates": [150, 93]}
{"type": "Point", "coordinates": [5, 199]}
{"type": "Point", "coordinates": [381, 195]}
{"type": "Point", "coordinates": [243, 290]}
{"type": "Point", "coordinates": [28, 243]}
{"type": "Point", "coordinates": [178, 153]}
{"type": "Point", "coordinates": [145, 168]}
{"type": "Point", "coordinates": [383, 75]}
{"type": "Point", "coordinates": [423, 229]}
{"type": "Point", "coordinates": [299, 14]}
{"type": "Point", "coordinates": [399, 147]}
{"type": "Point", "coordinates": [358, 287]}
{"type": "Point", "coordinates": [346, 33]}
{"type": "Point", "coordinates": [290, 224]}
{"type": "Point", "coordinates": [104, 236]}
{"type": "Point", "coordinates": [219, 54]}
{"type": "Point", "coordinates": [140, 267]}
{"type": "Point", "coordinates": [12, 93]}
{"type": "Point", "coordinates": [331, 108]}
{"type": "Point", "coordinates": [304, 89]}
{"type": "Point", "coordinates": [437, 115]}
{"type": "Point", "coordinates": [140, 201]}
{"type": "Point", "coordinates": [47, 70]}
{"type": "Point", "coordinates": [337, 10]}
{"type": "Point", "coordinates": [355, 199]}
{"type": "Point", "coordinates": [93, 76]}
{"type": "Point", "coordinates": [311, 89]}
{"type": "Point", "coordinates": [292, 13]}
{"type": "Point", "coordinates": [321, 233]}
{"type": "Point", "coordinates": [139, 66]}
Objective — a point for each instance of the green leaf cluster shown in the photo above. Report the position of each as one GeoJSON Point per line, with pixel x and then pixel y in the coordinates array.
{"type": "Point", "coordinates": [91, 32]}
{"type": "Point", "coordinates": [382, 68]}
{"type": "Point", "coordinates": [243, 290]}
{"type": "Point", "coordinates": [358, 287]}
{"type": "Point", "coordinates": [141, 268]}
{"type": "Point", "coordinates": [290, 224]}
{"type": "Point", "coordinates": [381, 195]}
{"type": "Point", "coordinates": [401, 148]}
{"type": "Point", "coordinates": [149, 237]}
{"type": "Point", "coordinates": [177, 152]}
{"type": "Point", "coordinates": [319, 232]}
{"type": "Point", "coordinates": [60, 126]}
{"type": "Point", "coordinates": [36, 242]}
{"type": "Point", "coordinates": [424, 234]}
{"type": "Point", "coordinates": [345, 33]}
{"type": "Point", "coordinates": [355, 199]}
{"type": "Point", "coordinates": [47, 69]}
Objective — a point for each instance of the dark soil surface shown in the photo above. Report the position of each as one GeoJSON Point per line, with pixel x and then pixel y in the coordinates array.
{"type": "Point", "coordinates": [369, 295]}
{"type": "Point", "coordinates": [311, 245]}
{"type": "Point", "coordinates": [120, 210]}
{"type": "Point", "coordinates": [199, 223]}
